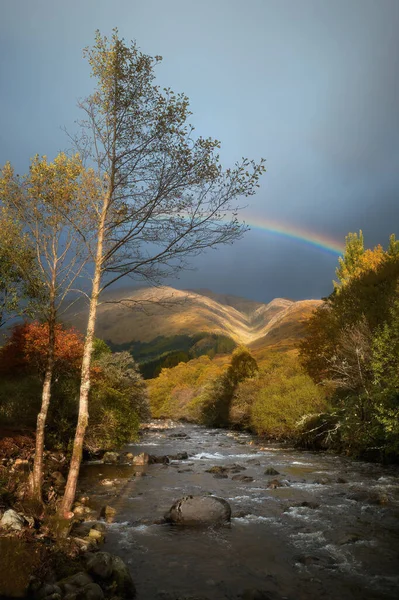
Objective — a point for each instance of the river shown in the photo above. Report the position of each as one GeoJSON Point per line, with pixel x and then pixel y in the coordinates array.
{"type": "Point", "coordinates": [330, 531]}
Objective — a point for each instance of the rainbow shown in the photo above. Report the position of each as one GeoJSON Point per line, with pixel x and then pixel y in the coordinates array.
{"type": "Point", "coordinates": [321, 241]}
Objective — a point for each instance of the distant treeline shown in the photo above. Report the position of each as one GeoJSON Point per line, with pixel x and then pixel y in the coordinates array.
{"type": "Point", "coordinates": [168, 351]}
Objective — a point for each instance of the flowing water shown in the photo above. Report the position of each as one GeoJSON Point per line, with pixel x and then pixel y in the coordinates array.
{"type": "Point", "coordinates": [331, 531]}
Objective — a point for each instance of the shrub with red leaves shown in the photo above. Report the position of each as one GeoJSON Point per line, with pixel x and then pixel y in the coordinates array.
{"type": "Point", "coordinates": [26, 350]}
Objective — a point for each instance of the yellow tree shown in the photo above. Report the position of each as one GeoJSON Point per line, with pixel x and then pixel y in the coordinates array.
{"type": "Point", "coordinates": [164, 195]}
{"type": "Point", "coordinates": [356, 260]}
{"type": "Point", "coordinates": [46, 201]}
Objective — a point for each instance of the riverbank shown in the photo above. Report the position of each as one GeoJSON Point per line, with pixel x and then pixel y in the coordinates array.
{"type": "Point", "coordinates": [304, 525]}
{"type": "Point", "coordinates": [322, 526]}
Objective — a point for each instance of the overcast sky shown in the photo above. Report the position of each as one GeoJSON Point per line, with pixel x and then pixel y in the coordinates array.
{"type": "Point", "coordinates": [310, 85]}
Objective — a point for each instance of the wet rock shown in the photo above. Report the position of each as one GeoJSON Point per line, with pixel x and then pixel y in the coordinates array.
{"type": "Point", "coordinates": [220, 476]}
{"type": "Point", "coordinates": [121, 578]}
{"type": "Point", "coordinates": [96, 535]}
{"type": "Point", "coordinates": [107, 482]}
{"type": "Point", "coordinates": [49, 591]}
{"type": "Point", "coordinates": [253, 461]}
{"type": "Point", "coordinates": [99, 565]}
{"type": "Point", "coordinates": [179, 456]}
{"type": "Point", "coordinates": [373, 497]}
{"type": "Point", "coordinates": [240, 514]}
{"type": "Point", "coordinates": [108, 513]}
{"type": "Point", "coordinates": [274, 483]}
{"type": "Point", "coordinates": [74, 582]}
{"type": "Point", "coordinates": [185, 471]}
{"type": "Point", "coordinates": [244, 478]}
{"type": "Point", "coordinates": [322, 480]}
{"type": "Point", "coordinates": [199, 510]}
{"type": "Point", "coordinates": [12, 520]}
{"type": "Point", "coordinates": [271, 471]}
{"type": "Point", "coordinates": [217, 470]}
{"type": "Point", "coordinates": [236, 468]}
{"type": "Point", "coordinates": [341, 480]}
{"type": "Point", "coordinates": [307, 504]}
{"type": "Point", "coordinates": [92, 591]}
{"type": "Point", "coordinates": [82, 543]}
{"type": "Point", "coordinates": [179, 435]}
{"type": "Point", "coordinates": [159, 459]}
{"type": "Point", "coordinates": [257, 595]}
{"type": "Point", "coordinates": [349, 538]}
{"type": "Point", "coordinates": [81, 510]}
{"type": "Point", "coordinates": [111, 458]}
{"type": "Point", "coordinates": [307, 559]}
{"type": "Point", "coordinates": [140, 460]}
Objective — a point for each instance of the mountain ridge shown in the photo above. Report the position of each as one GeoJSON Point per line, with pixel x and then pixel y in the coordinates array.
{"type": "Point", "coordinates": [143, 314]}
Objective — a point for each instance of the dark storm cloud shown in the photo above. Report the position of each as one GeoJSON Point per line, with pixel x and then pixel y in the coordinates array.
{"type": "Point", "coordinates": [312, 86]}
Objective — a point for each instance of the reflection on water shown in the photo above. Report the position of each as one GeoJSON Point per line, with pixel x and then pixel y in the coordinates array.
{"type": "Point", "coordinates": [331, 531]}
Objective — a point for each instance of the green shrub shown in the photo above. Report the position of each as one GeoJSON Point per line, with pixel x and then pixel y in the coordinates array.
{"type": "Point", "coordinates": [20, 400]}
{"type": "Point", "coordinates": [176, 392]}
{"type": "Point", "coordinates": [272, 402]}
{"type": "Point", "coordinates": [118, 402]}
{"type": "Point", "coordinates": [278, 405]}
{"type": "Point", "coordinates": [319, 431]}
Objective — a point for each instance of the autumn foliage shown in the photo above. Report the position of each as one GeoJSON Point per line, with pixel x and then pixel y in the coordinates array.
{"type": "Point", "coordinates": [26, 350]}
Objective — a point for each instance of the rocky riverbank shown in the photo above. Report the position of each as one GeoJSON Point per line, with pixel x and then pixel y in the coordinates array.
{"type": "Point", "coordinates": [190, 513]}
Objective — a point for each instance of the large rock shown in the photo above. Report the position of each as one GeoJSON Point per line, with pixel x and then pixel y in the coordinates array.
{"type": "Point", "coordinates": [12, 520]}
{"type": "Point", "coordinates": [141, 459]}
{"type": "Point", "coordinates": [108, 513]}
{"type": "Point", "coordinates": [199, 510]}
{"type": "Point", "coordinates": [123, 582]}
{"type": "Point", "coordinates": [111, 458]}
{"type": "Point", "coordinates": [73, 583]}
{"type": "Point", "coordinates": [48, 591]}
{"type": "Point", "coordinates": [91, 591]}
{"type": "Point", "coordinates": [271, 471]}
{"type": "Point", "coordinates": [99, 565]}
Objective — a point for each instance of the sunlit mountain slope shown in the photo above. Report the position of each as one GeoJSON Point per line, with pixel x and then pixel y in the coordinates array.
{"type": "Point", "coordinates": [147, 313]}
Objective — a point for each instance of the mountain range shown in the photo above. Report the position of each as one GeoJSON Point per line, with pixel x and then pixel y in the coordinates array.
{"type": "Point", "coordinates": [145, 314]}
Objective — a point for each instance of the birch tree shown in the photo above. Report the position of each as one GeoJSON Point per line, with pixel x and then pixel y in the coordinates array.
{"type": "Point", "coordinates": [46, 201]}
{"type": "Point", "coordinates": [162, 194]}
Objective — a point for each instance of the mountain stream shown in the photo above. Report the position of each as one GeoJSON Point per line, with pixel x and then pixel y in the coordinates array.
{"type": "Point", "coordinates": [328, 529]}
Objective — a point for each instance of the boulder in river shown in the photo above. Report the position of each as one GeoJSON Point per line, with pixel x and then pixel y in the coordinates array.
{"type": "Point", "coordinates": [122, 580]}
{"type": "Point", "coordinates": [199, 511]}
{"type": "Point", "coordinates": [276, 483]}
{"type": "Point", "coordinates": [99, 564]}
{"type": "Point", "coordinates": [110, 458]}
{"type": "Point", "coordinates": [244, 478]}
{"type": "Point", "coordinates": [141, 459]}
{"type": "Point", "coordinates": [159, 459]}
{"type": "Point", "coordinates": [108, 513]}
{"type": "Point", "coordinates": [217, 470]}
{"type": "Point", "coordinates": [271, 471]}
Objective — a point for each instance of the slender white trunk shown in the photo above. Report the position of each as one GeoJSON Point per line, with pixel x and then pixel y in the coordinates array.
{"type": "Point", "coordinates": [36, 479]}
{"type": "Point", "coordinates": [83, 416]}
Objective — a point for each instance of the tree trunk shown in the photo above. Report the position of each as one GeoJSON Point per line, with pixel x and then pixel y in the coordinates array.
{"type": "Point", "coordinates": [83, 416]}
{"type": "Point", "coordinates": [36, 479]}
